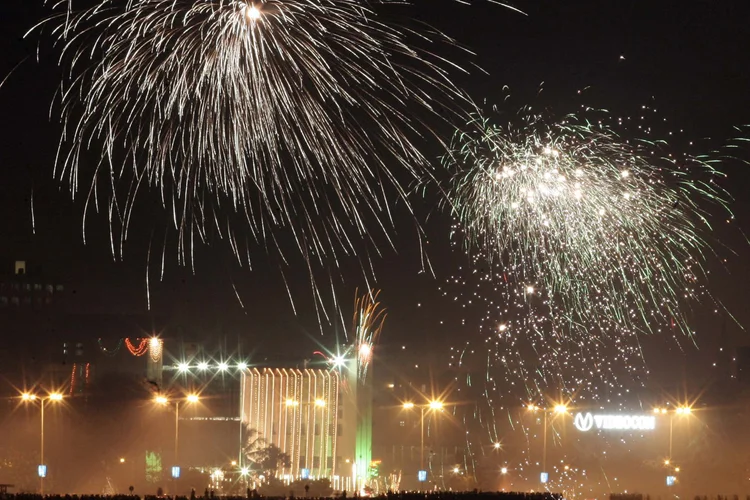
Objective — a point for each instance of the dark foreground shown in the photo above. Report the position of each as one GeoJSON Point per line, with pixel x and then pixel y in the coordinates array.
{"type": "Point", "coordinates": [442, 495]}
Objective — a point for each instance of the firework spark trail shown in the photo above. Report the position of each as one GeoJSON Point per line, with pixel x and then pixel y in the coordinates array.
{"type": "Point", "coordinates": [579, 241]}
{"type": "Point", "coordinates": [248, 117]}
{"type": "Point", "coordinates": [367, 324]}
{"type": "Point", "coordinates": [606, 230]}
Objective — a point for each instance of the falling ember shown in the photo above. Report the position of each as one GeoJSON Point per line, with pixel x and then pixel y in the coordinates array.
{"type": "Point", "coordinates": [591, 219]}
{"type": "Point", "coordinates": [246, 134]}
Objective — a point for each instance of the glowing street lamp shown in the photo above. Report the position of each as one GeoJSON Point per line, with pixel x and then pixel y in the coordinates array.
{"type": "Point", "coordinates": [682, 411]}
{"type": "Point", "coordinates": [164, 401]}
{"type": "Point", "coordinates": [497, 446]}
{"type": "Point", "coordinates": [503, 470]}
{"type": "Point", "coordinates": [434, 405]}
{"type": "Point", "coordinates": [559, 410]}
{"type": "Point", "coordinates": [29, 397]}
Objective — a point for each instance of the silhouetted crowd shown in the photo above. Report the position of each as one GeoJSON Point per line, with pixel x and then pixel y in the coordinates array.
{"type": "Point", "coordinates": [441, 495]}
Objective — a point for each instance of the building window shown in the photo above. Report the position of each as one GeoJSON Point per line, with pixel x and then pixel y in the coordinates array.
{"type": "Point", "coordinates": [316, 462]}
{"type": "Point", "coordinates": [402, 423]}
{"type": "Point", "coordinates": [317, 429]}
{"type": "Point", "coordinates": [59, 288]}
{"type": "Point", "coordinates": [339, 430]}
{"type": "Point", "coordinates": [37, 287]}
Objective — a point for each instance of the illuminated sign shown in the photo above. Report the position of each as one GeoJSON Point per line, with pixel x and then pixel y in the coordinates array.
{"type": "Point", "coordinates": [544, 477]}
{"type": "Point", "coordinates": [422, 476]}
{"type": "Point", "coordinates": [42, 471]}
{"type": "Point", "coordinates": [305, 473]}
{"type": "Point", "coordinates": [176, 472]}
{"type": "Point", "coordinates": [671, 480]}
{"type": "Point", "coordinates": [586, 421]}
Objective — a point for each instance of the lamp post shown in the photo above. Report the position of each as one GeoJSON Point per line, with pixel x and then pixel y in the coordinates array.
{"type": "Point", "coordinates": [559, 409]}
{"type": "Point", "coordinates": [164, 401]}
{"type": "Point", "coordinates": [433, 406]}
{"type": "Point", "coordinates": [30, 397]}
{"type": "Point", "coordinates": [682, 411]}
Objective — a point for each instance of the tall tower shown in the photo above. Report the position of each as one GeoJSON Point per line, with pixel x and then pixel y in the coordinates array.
{"type": "Point", "coordinates": [361, 379]}
{"type": "Point", "coordinates": [354, 363]}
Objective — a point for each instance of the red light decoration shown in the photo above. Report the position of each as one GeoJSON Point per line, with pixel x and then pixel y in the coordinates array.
{"type": "Point", "coordinates": [139, 350]}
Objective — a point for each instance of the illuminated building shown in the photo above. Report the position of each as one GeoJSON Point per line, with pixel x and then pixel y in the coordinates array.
{"type": "Point", "coordinates": [296, 410]}
{"type": "Point", "coordinates": [320, 417]}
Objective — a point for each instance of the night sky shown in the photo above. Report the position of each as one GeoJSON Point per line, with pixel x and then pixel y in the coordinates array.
{"type": "Point", "coordinates": [689, 58]}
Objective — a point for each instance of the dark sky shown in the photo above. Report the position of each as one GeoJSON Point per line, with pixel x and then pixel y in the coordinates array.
{"type": "Point", "coordinates": [691, 57]}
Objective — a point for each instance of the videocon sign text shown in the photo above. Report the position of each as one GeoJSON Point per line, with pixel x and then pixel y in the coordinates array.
{"type": "Point", "coordinates": [587, 421]}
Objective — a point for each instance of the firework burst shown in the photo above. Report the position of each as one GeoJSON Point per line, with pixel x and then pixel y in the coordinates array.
{"type": "Point", "coordinates": [245, 118]}
{"type": "Point", "coordinates": [369, 317]}
{"type": "Point", "coordinates": [606, 230]}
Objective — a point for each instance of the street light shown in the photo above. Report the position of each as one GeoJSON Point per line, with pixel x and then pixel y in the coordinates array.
{"type": "Point", "coordinates": [434, 405]}
{"type": "Point", "coordinates": [559, 409]}
{"type": "Point", "coordinates": [30, 397]}
{"type": "Point", "coordinates": [682, 411]}
{"type": "Point", "coordinates": [164, 401]}
{"type": "Point", "coordinates": [497, 446]}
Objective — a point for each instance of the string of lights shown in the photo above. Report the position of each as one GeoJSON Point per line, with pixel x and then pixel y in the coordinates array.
{"type": "Point", "coordinates": [155, 349]}
{"type": "Point", "coordinates": [140, 350]}
{"type": "Point", "coordinates": [110, 352]}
